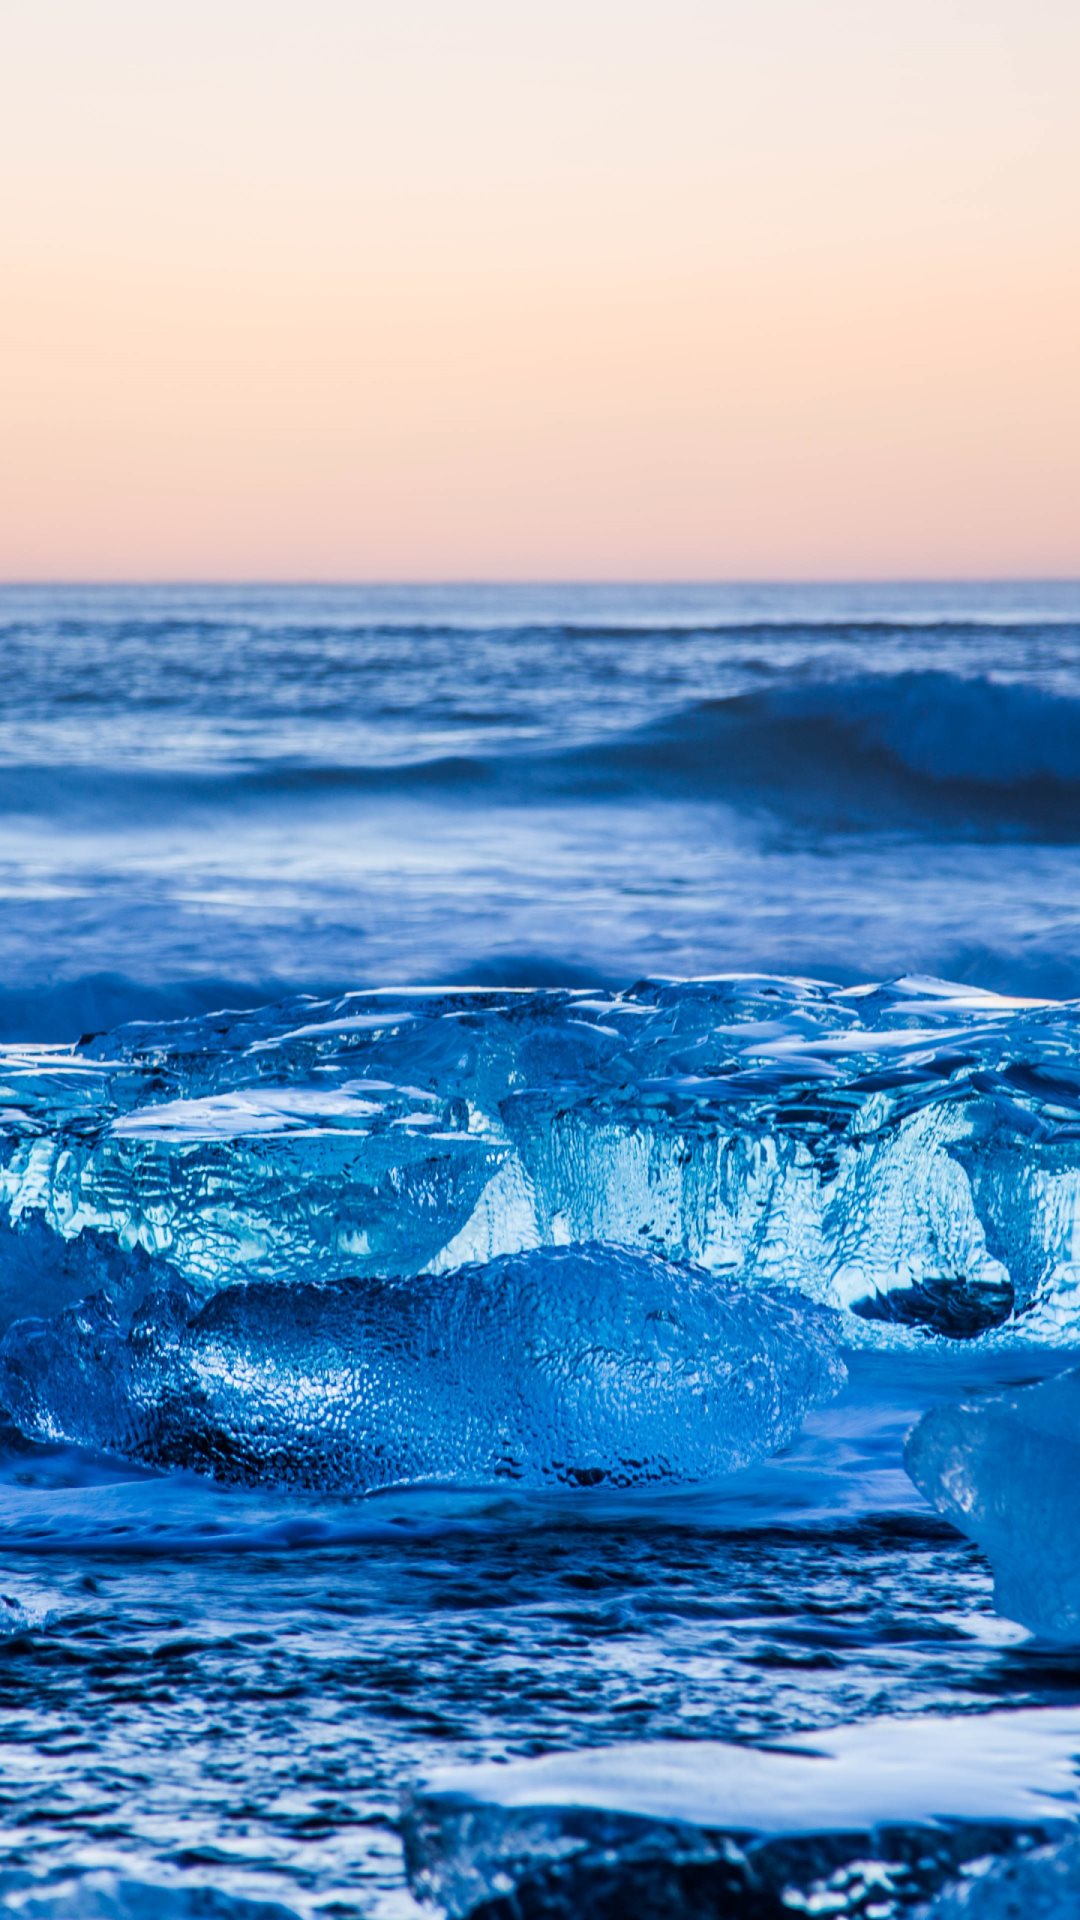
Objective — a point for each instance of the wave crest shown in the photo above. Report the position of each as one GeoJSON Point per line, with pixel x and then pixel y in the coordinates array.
{"type": "Point", "coordinates": [925, 751]}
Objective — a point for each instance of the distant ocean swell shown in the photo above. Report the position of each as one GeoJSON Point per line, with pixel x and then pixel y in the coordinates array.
{"type": "Point", "coordinates": [931, 743]}
{"type": "Point", "coordinates": [923, 751]}
{"type": "Point", "coordinates": [306, 631]}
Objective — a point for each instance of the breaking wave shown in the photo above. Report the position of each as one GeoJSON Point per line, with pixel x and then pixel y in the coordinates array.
{"type": "Point", "coordinates": [930, 751]}
{"type": "Point", "coordinates": [927, 743]}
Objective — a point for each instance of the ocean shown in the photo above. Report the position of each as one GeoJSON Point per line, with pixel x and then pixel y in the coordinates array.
{"type": "Point", "coordinates": [221, 796]}
{"type": "Point", "coordinates": [601, 945]}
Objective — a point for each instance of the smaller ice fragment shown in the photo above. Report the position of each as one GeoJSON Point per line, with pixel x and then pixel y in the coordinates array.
{"type": "Point", "coordinates": [570, 1366]}
{"type": "Point", "coordinates": [111, 1896]}
{"type": "Point", "coordinates": [1007, 1471]}
{"type": "Point", "coordinates": [872, 1818]}
{"type": "Point", "coordinates": [1044, 1885]}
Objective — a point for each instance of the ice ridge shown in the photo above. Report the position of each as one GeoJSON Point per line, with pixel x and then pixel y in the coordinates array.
{"type": "Point", "coordinates": [909, 1153]}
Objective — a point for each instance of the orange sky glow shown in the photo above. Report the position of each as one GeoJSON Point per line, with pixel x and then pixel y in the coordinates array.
{"type": "Point", "coordinates": [708, 289]}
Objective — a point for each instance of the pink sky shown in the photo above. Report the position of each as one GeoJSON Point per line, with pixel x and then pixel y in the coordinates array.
{"type": "Point", "coordinates": [702, 289]}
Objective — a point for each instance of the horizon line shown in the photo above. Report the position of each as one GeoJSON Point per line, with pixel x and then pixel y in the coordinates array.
{"type": "Point", "coordinates": [348, 583]}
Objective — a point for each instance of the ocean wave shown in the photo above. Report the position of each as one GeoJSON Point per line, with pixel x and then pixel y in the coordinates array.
{"type": "Point", "coordinates": [281, 631]}
{"type": "Point", "coordinates": [909, 748]}
{"type": "Point", "coordinates": [929, 752]}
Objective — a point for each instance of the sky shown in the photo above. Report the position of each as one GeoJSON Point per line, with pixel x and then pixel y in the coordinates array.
{"type": "Point", "coordinates": [534, 289]}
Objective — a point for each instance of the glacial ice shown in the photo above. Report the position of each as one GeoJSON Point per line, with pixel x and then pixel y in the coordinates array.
{"type": "Point", "coordinates": [1044, 1885]}
{"type": "Point", "coordinates": [42, 1272]}
{"type": "Point", "coordinates": [871, 1818]}
{"type": "Point", "coordinates": [908, 1153]}
{"type": "Point", "coordinates": [569, 1366]}
{"type": "Point", "coordinates": [113, 1896]}
{"type": "Point", "coordinates": [1006, 1470]}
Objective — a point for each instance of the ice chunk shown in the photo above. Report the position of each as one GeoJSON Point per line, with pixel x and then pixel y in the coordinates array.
{"type": "Point", "coordinates": [909, 1153]}
{"type": "Point", "coordinates": [870, 1818]}
{"type": "Point", "coordinates": [1007, 1471]}
{"type": "Point", "coordinates": [111, 1896]}
{"type": "Point", "coordinates": [574, 1366]}
{"type": "Point", "coordinates": [1044, 1885]}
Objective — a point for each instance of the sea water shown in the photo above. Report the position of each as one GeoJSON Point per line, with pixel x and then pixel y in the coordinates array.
{"type": "Point", "coordinates": [394, 982]}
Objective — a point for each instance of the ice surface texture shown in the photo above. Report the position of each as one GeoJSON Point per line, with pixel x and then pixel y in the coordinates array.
{"type": "Point", "coordinates": [867, 1819]}
{"type": "Point", "coordinates": [109, 1896]}
{"type": "Point", "coordinates": [910, 1153]}
{"type": "Point", "coordinates": [571, 1366]}
{"type": "Point", "coordinates": [1044, 1885]}
{"type": "Point", "coordinates": [1007, 1471]}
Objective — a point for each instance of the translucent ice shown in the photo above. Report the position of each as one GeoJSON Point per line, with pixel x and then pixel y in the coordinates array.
{"type": "Point", "coordinates": [110, 1896]}
{"type": "Point", "coordinates": [1007, 1471]}
{"type": "Point", "coordinates": [1044, 1885]}
{"type": "Point", "coordinates": [571, 1366]}
{"type": "Point", "coordinates": [42, 1272]}
{"type": "Point", "coordinates": [865, 1819]}
{"type": "Point", "coordinates": [910, 1153]}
